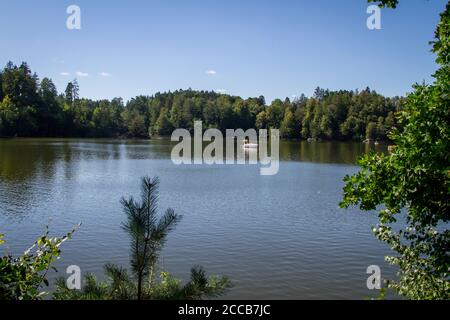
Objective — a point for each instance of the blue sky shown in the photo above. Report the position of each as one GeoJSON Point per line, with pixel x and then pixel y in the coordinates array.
{"type": "Point", "coordinates": [252, 47]}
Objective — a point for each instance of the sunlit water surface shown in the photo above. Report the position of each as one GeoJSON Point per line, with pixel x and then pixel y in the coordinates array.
{"type": "Point", "coordinates": [275, 237]}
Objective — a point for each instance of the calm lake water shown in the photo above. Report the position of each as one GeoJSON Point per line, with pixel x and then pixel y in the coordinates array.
{"type": "Point", "coordinates": [276, 237]}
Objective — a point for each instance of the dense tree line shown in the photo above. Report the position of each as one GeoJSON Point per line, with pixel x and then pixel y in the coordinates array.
{"type": "Point", "coordinates": [33, 107]}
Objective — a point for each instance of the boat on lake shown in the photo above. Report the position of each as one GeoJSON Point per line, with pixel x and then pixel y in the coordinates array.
{"type": "Point", "coordinates": [248, 145]}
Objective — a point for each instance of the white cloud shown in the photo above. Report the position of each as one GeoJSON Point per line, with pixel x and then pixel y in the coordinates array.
{"type": "Point", "coordinates": [222, 91]}
{"type": "Point", "coordinates": [65, 73]}
{"type": "Point", "coordinates": [104, 74]}
{"type": "Point", "coordinates": [82, 74]}
{"type": "Point", "coordinates": [211, 72]}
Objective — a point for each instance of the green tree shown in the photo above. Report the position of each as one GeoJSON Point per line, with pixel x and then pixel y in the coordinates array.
{"type": "Point", "coordinates": [176, 115]}
{"type": "Point", "coordinates": [326, 126]}
{"type": "Point", "coordinates": [275, 113]}
{"type": "Point", "coordinates": [69, 93]}
{"type": "Point", "coordinates": [262, 121]}
{"type": "Point", "coordinates": [72, 92]}
{"type": "Point", "coordinates": [288, 128]}
{"type": "Point", "coordinates": [23, 278]}
{"type": "Point", "coordinates": [386, 3]}
{"type": "Point", "coordinates": [244, 117]}
{"type": "Point", "coordinates": [21, 86]}
{"type": "Point", "coordinates": [371, 131]}
{"type": "Point", "coordinates": [9, 115]}
{"type": "Point", "coordinates": [412, 184]}
{"type": "Point", "coordinates": [50, 115]}
{"type": "Point", "coordinates": [102, 121]}
{"type": "Point", "coordinates": [147, 233]}
{"type": "Point", "coordinates": [135, 123]}
{"type": "Point", "coordinates": [163, 126]}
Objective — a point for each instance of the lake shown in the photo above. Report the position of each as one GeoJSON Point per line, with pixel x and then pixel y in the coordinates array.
{"type": "Point", "coordinates": [275, 237]}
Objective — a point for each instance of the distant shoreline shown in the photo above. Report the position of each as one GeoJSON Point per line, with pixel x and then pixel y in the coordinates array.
{"type": "Point", "coordinates": [385, 142]}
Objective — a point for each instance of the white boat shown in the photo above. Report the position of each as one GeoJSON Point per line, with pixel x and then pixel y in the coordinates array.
{"type": "Point", "coordinates": [250, 146]}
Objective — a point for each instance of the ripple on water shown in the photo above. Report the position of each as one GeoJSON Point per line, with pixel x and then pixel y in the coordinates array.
{"type": "Point", "coordinates": [275, 237]}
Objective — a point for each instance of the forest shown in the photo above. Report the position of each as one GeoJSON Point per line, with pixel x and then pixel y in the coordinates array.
{"type": "Point", "coordinates": [30, 107]}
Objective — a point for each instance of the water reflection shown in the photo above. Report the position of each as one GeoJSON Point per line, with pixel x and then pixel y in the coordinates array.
{"type": "Point", "coordinates": [30, 164]}
{"type": "Point", "coordinates": [326, 152]}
